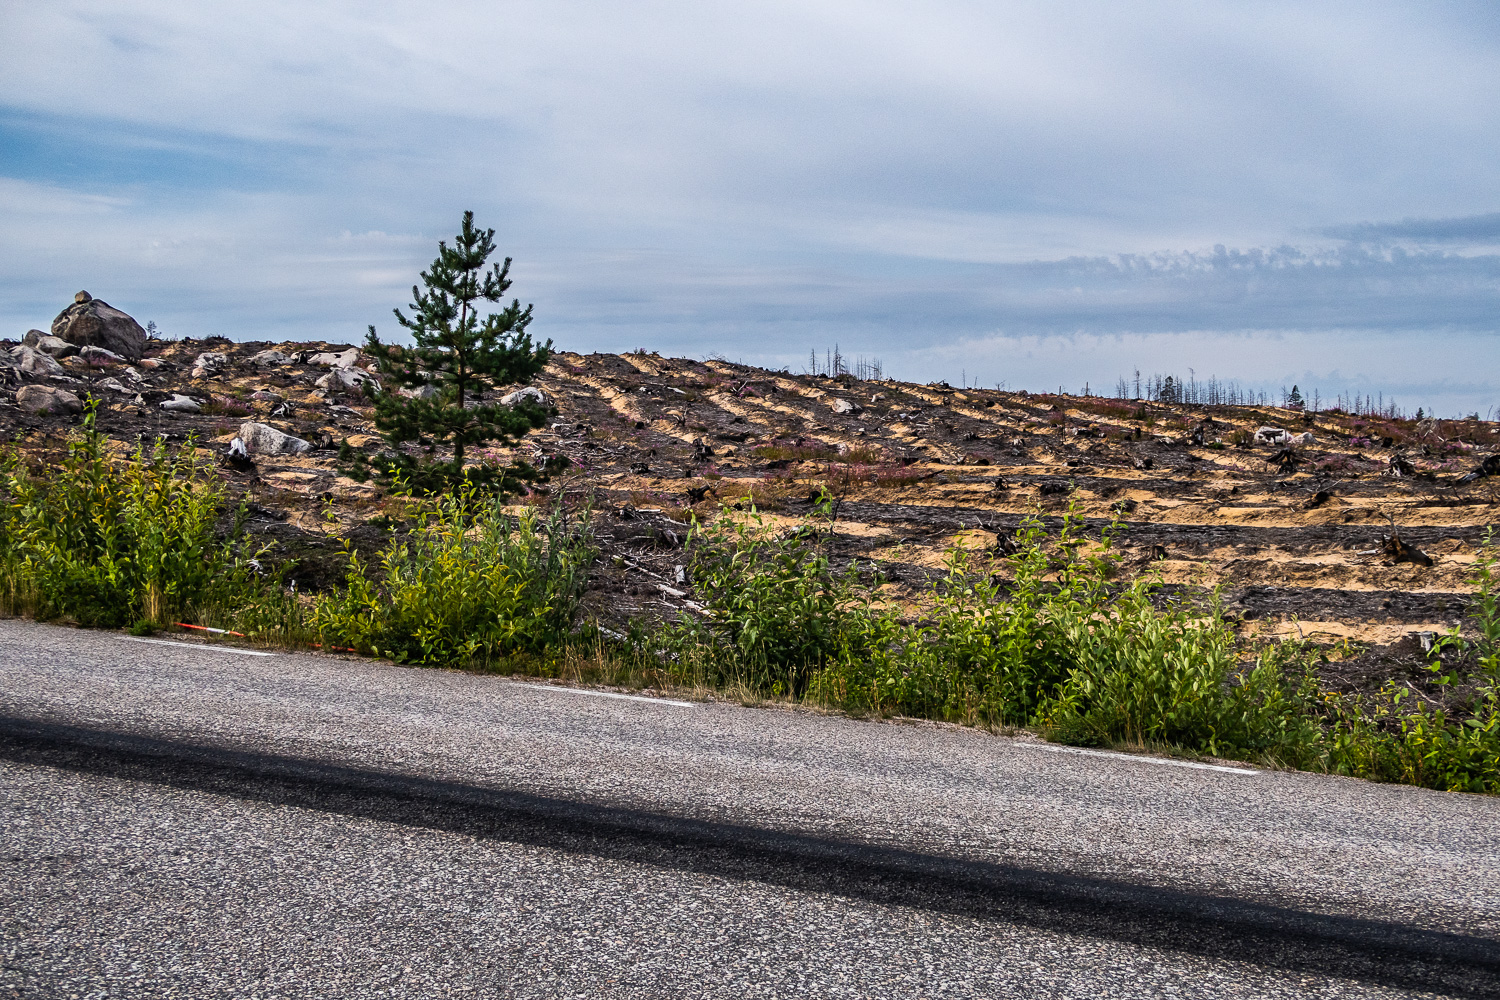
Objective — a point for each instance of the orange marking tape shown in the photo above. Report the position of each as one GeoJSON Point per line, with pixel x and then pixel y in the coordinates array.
{"type": "Point", "coordinates": [205, 628]}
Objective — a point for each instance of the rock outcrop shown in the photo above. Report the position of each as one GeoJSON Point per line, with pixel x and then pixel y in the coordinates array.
{"type": "Point", "coordinates": [93, 321]}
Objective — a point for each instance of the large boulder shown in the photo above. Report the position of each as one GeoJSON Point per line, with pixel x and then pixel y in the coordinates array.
{"type": "Point", "coordinates": [45, 399]}
{"type": "Point", "coordinates": [93, 321]}
{"type": "Point", "coordinates": [263, 439]}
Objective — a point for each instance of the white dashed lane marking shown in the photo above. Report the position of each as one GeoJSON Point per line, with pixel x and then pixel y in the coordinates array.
{"type": "Point", "coordinates": [604, 694]}
{"type": "Point", "coordinates": [1053, 748]}
{"type": "Point", "coordinates": [201, 647]}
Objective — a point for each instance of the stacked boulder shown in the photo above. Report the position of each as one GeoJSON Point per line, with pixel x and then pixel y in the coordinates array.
{"type": "Point", "coordinates": [94, 322]}
{"type": "Point", "coordinates": [90, 329]}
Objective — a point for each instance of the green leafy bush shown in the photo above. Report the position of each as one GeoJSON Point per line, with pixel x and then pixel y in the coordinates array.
{"type": "Point", "coordinates": [1386, 738]}
{"type": "Point", "coordinates": [1058, 647]}
{"type": "Point", "coordinates": [111, 543]}
{"type": "Point", "coordinates": [469, 582]}
{"type": "Point", "coordinates": [779, 611]}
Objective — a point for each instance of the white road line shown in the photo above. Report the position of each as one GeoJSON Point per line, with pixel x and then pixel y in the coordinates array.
{"type": "Point", "coordinates": [604, 694]}
{"type": "Point", "coordinates": [1054, 748]}
{"type": "Point", "coordinates": [200, 646]}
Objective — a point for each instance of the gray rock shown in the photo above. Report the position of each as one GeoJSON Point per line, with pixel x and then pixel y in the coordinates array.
{"type": "Point", "coordinates": [344, 359]}
{"type": "Point", "coordinates": [93, 321]}
{"type": "Point", "coordinates": [181, 404]}
{"type": "Point", "coordinates": [263, 439]}
{"type": "Point", "coordinates": [1272, 435]}
{"type": "Point", "coordinates": [113, 385]}
{"type": "Point", "coordinates": [34, 362]}
{"type": "Point", "coordinates": [45, 399]}
{"type": "Point", "coordinates": [211, 360]}
{"type": "Point", "coordinates": [530, 394]}
{"type": "Point", "coordinates": [844, 406]}
{"type": "Point", "coordinates": [48, 344]}
{"type": "Point", "coordinates": [100, 356]}
{"type": "Point", "coordinates": [345, 380]}
{"type": "Point", "coordinates": [420, 392]}
{"type": "Point", "coordinates": [267, 359]}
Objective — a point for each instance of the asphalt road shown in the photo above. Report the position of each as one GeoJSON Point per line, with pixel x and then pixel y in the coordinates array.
{"type": "Point", "coordinates": [178, 820]}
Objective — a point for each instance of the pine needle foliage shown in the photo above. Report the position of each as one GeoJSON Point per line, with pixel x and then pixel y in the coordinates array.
{"type": "Point", "coordinates": [461, 354]}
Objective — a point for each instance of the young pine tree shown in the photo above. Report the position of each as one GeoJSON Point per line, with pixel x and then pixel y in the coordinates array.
{"type": "Point", "coordinates": [459, 354]}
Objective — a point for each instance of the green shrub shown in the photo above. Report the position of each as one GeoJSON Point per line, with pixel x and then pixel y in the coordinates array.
{"type": "Point", "coordinates": [1063, 650]}
{"type": "Point", "coordinates": [780, 613]}
{"type": "Point", "coordinates": [114, 543]}
{"type": "Point", "coordinates": [1381, 738]}
{"type": "Point", "coordinates": [469, 582]}
{"type": "Point", "coordinates": [1059, 647]}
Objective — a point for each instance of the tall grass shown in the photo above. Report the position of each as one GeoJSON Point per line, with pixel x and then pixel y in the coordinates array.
{"type": "Point", "coordinates": [111, 543]}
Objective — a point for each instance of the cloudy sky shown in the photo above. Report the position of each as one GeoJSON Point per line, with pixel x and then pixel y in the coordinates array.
{"type": "Point", "coordinates": [1039, 194]}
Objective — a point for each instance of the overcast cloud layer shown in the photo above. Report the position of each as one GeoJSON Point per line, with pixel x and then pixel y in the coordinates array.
{"type": "Point", "coordinates": [1041, 194]}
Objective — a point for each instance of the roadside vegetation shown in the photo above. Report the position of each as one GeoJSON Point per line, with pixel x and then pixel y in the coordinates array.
{"type": "Point", "coordinates": [469, 581]}
{"type": "Point", "coordinates": [111, 543]}
{"type": "Point", "coordinates": [1042, 636]}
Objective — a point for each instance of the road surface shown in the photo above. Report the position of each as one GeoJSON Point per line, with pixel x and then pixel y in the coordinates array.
{"type": "Point", "coordinates": [184, 820]}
